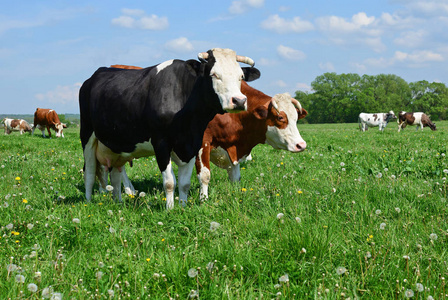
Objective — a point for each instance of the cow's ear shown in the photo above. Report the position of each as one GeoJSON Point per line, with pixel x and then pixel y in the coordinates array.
{"type": "Point", "coordinates": [194, 67]}
{"type": "Point", "coordinates": [303, 114]}
{"type": "Point", "coordinates": [260, 112]}
{"type": "Point", "coordinates": [250, 74]}
{"type": "Point", "coordinates": [64, 125]}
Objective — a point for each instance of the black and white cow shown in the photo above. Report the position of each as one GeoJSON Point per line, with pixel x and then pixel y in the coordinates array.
{"type": "Point", "coordinates": [161, 110]}
{"type": "Point", "coordinates": [414, 118]}
{"type": "Point", "coordinates": [373, 120]}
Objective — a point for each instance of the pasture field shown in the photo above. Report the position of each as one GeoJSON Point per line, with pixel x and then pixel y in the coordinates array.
{"type": "Point", "coordinates": [357, 215]}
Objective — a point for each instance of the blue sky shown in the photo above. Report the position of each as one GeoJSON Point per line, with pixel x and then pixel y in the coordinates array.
{"type": "Point", "coordinates": [49, 48]}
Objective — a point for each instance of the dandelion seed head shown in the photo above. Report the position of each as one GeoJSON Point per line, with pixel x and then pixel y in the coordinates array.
{"type": "Point", "coordinates": [378, 211]}
{"type": "Point", "coordinates": [409, 293]}
{"type": "Point", "coordinates": [298, 220]}
{"type": "Point", "coordinates": [341, 270]}
{"type": "Point", "coordinates": [397, 209]}
{"type": "Point", "coordinates": [30, 226]}
{"type": "Point", "coordinates": [433, 236]}
{"type": "Point", "coordinates": [76, 220]}
{"type": "Point", "coordinates": [99, 275]}
{"type": "Point", "coordinates": [419, 287]}
{"type": "Point", "coordinates": [32, 287]}
{"type": "Point", "coordinates": [56, 296]}
{"type": "Point", "coordinates": [10, 226]}
{"type": "Point", "coordinates": [20, 278]}
{"type": "Point", "coordinates": [214, 226]}
{"type": "Point", "coordinates": [110, 293]}
{"type": "Point", "coordinates": [192, 273]}
{"type": "Point", "coordinates": [383, 226]}
{"type": "Point", "coordinates": [12, 268]}
{"type": "Point", "coordinates": [280, 215]}
{"type": "Point", "coordinates": [109, 188]}
{"type": "Point", "coordinates": [142, 194]}
{"type": "Point", "coordinates": [284, 278]}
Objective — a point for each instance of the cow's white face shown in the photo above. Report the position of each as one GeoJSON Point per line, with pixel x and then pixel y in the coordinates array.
{"type": "Point", "coordinates": [226, 75]}
{"type": "Point", "coordinates": [59, 127]}
{"type": "Point", "coordinates": [285, 135]}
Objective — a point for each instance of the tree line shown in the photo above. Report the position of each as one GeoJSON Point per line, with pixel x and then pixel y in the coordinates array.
{"type": "Point", "coordinates": [339, 98]}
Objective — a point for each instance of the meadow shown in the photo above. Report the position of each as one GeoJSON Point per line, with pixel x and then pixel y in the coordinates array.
{"type": "Point", "coordinates": [356, 215]}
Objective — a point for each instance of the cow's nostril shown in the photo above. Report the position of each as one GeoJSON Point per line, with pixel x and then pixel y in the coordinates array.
{"type": "Point", "coordinates": [238, 103]}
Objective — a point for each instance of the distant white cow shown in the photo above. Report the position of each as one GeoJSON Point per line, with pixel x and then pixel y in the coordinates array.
{"type": "Point", "coordinates": [16, 125]}
{"type": "Point", "coordinates": [373, 120]}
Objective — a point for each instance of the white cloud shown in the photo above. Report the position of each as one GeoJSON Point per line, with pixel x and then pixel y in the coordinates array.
{"type": "Point", "coordinates": [280, 83]}
{"type": "Point", "coordinates": [339, 24]}
{"type": "Point", "coordinates": [303, 87]}
{"type": "Point", "coordinates": [280, 25]}
{"type": "Point", "coordinates": [67, 94]}
{"type": "Point", "coordinates": [266, 62]}
{"type": "Point", "coordinates": [327, 67]}
{"type": "Point", "coordinates": [136, 18]}
{"type": "Point", "coordinates": [290, 53]}
{"type": "Point", "coordinates": [411, 39]}
{"type": "Point", "coordinates": [179, 45]}
{"type": "Point", "coordinates": [418, 56]}
{"type": "Point", "coordinates": [241, 6]}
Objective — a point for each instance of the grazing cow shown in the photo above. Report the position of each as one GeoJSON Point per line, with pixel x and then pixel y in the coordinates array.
{"type": "Point", "coordinates": [372, 120]}
{"type": "Point", "coordinates": [161, 110]}
{"type": "Point", "coordinates": [48, 118]}
{"type": "Point", "coordinates": [16, 125]}
{"type": "Point", "coordinates": [414, 118]}
{"type": "Point", "coordinates": [229, 138]}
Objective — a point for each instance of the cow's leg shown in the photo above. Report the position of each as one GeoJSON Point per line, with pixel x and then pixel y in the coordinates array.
{"type": "Point", "coordinates": [49, 132]}
{"type": "Point", "coordinates": [103, 178]}
{"type": "Point", "coordinates": [234, 172]}
{"type": "Point", "coordinates": [169, 184]}
{"type": "Point", "coordinates": [203, 170]}
{"type": "Point", "coordinates": [115, 181]}
{"type": "Point", "coordinates": [184, 173]}
{"type": "Point", "coordinates": [128, 187]}
{"type": "Point", "coordinates": [90, 164]}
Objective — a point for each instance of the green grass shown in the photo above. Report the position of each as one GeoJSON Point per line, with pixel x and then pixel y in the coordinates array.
{"type": "Point", "coordinates": [353, 200]}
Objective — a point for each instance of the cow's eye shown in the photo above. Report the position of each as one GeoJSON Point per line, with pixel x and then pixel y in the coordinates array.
{"type": "Point", "coordinates": [216, 76]}
{"type": "Point", "coordinates": [280, 118]}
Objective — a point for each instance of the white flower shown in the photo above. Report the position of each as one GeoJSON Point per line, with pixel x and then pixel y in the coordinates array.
{"type": "Point", "coordinates": [5, 205]}
{"type": "Point", "coordinates": [333, 190]}
{"type": "Point", "coordinates": [11, 268]}
{"type": "Point", "coordinates": [409, 293]}
{"type": "Point", "coordinates": [9, 226]}
{"type": "Point", "coordinates": [110, 212]}
{"type": "Point", "coordinates": [32, 287]}
{"type": "Point", "coordinates": [406, 257]}
{"type": "Point", "coordinates": [284, 278]}
{"type": "Point", "coordinates": [298, 220]}
{"type": "Point", "coordinates": [280, 215]}
{"type": "Point", "coordinates": [379, 175]}
{"type": "Point", "coordinates": [210, 267]}
{"type": "Point", "coordinates": [214, 226]}
{"type": "Point", "coordinates": [46, 292]}
{"type": "Point", "coordinates": [342, 164]}
{"type": "Point", "coordinates": [433, 236]}
{"type": "Point", "coordinates": [76, 220]}
{"type": "Point", "coordinates": [445, 171]}
{"type": "Point", "coordinates": [193, 294]}
{"type": "Point", "coordinates": [111, 293]}
{"type": "Point", "coordinates": [378, 211]}
{"type": "Point", "coordinates": [419, 287]}
{"type": "Point", "coordinates": [111, 229]}
{"type": "Point", "coordinates": [160, 223]}
{"type": "Point", "coordinates": [99, 275]}
{"type": "Point", "coordinates": [397, 209]}
{"type": "Point", "coordinates": [142, 194]}
{"type": "Point", "coordinates": [56, 296]}
{"type": "Point", "coordinates": [30, 226]}
{"type": "Point", "coordinates": [303, 251]}
{"type": "Point", "coordinates": [20, 278]}
{"type": "Point", "coordinates": [109, 188]}
{"type": "Point", "coordinates": [393, 176]}
{"type": "Point", "coordinates": [193, 272]}
{"type": "Point", "coordinates": [341, 270]}
{"type": "Point", "coordinates": [383, 226]}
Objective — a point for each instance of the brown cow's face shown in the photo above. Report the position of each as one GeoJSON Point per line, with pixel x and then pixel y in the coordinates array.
{"type": "Point", "coordinates": [282, 130]}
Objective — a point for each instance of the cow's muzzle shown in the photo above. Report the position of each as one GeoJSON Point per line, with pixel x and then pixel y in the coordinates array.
{"type": "Point", "coordinates": [239, 103]}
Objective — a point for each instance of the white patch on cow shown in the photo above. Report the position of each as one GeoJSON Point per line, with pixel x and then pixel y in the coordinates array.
{"type": "Point", "coordinates": [203, 177]}
{"type": "Point", "coordinates": [184, 174]}
{"type": "Point", "coordinates": [288, 138]}
{"type": "Point", "coordinates": [90, 162]}
{"type": "Point", "coordinates": [169, 184]}
{"type": "Point", "coordinates": [226, 76]}
{"type": "Point", "coordinates": [163, 65]}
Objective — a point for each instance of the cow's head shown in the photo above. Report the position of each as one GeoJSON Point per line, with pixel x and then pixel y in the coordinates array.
{"type": "Point", "coordinates": [391, 115]}
{"type": "Point", "coordinates": [58, 128]}
{"type": "Point", "coordinates": [226, 74]}
{"type": "Point", "coordinates": [281, 115]}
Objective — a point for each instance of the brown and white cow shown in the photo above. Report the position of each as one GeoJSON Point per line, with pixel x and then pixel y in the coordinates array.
{"type": "Point", "coordinates": [229, 138]}
{"type": "Point", "coordinates": [16, 125]}
{"type": "Point", "coordinates": [48, 118]}
{"type": "Point", "coordinates": [414, 118]}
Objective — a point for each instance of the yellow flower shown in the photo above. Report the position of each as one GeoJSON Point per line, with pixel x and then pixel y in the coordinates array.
{"type": "Point", "coordinates": [163, 240]}
{"type": "Point", "coordinates": [164, 199]}
{"type": "Point", "coordinates": [15, 232]}
{"type": "Point", "coordinates": [25, 201]}
{"type": "Point", "coordinates": [17, 241]}
{"type": "Point", "coordinates": [243, 190]}
{"type": "Point", "coordinates": [148, 259]}
{"type": "Point", "coordinates": [17, 178]}
{"type": "Point", "coordinates": [277, 194]}
{"type": "Point", "coordinates": [243, 168]}
{"type": "Point", "coordinates": [100, 203]}
{"type": "Point", "coordinates": [300, 192]}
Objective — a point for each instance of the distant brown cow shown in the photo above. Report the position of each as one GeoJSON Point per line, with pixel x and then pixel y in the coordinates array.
{"type": "Point", "coordinates": [16, 125]}
{"type": "Point", "coordinates": [48, 118]}
{"type": "Point", "coordinates": [414, 118]}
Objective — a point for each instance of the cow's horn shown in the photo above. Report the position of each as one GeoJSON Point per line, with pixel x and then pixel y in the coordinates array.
{"type": "Point", "coordinates": [203, 56]}
{"type": "Point", "coordinates": [246, 60]}
{"type": "Point", "coordinates": [296, 104]}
